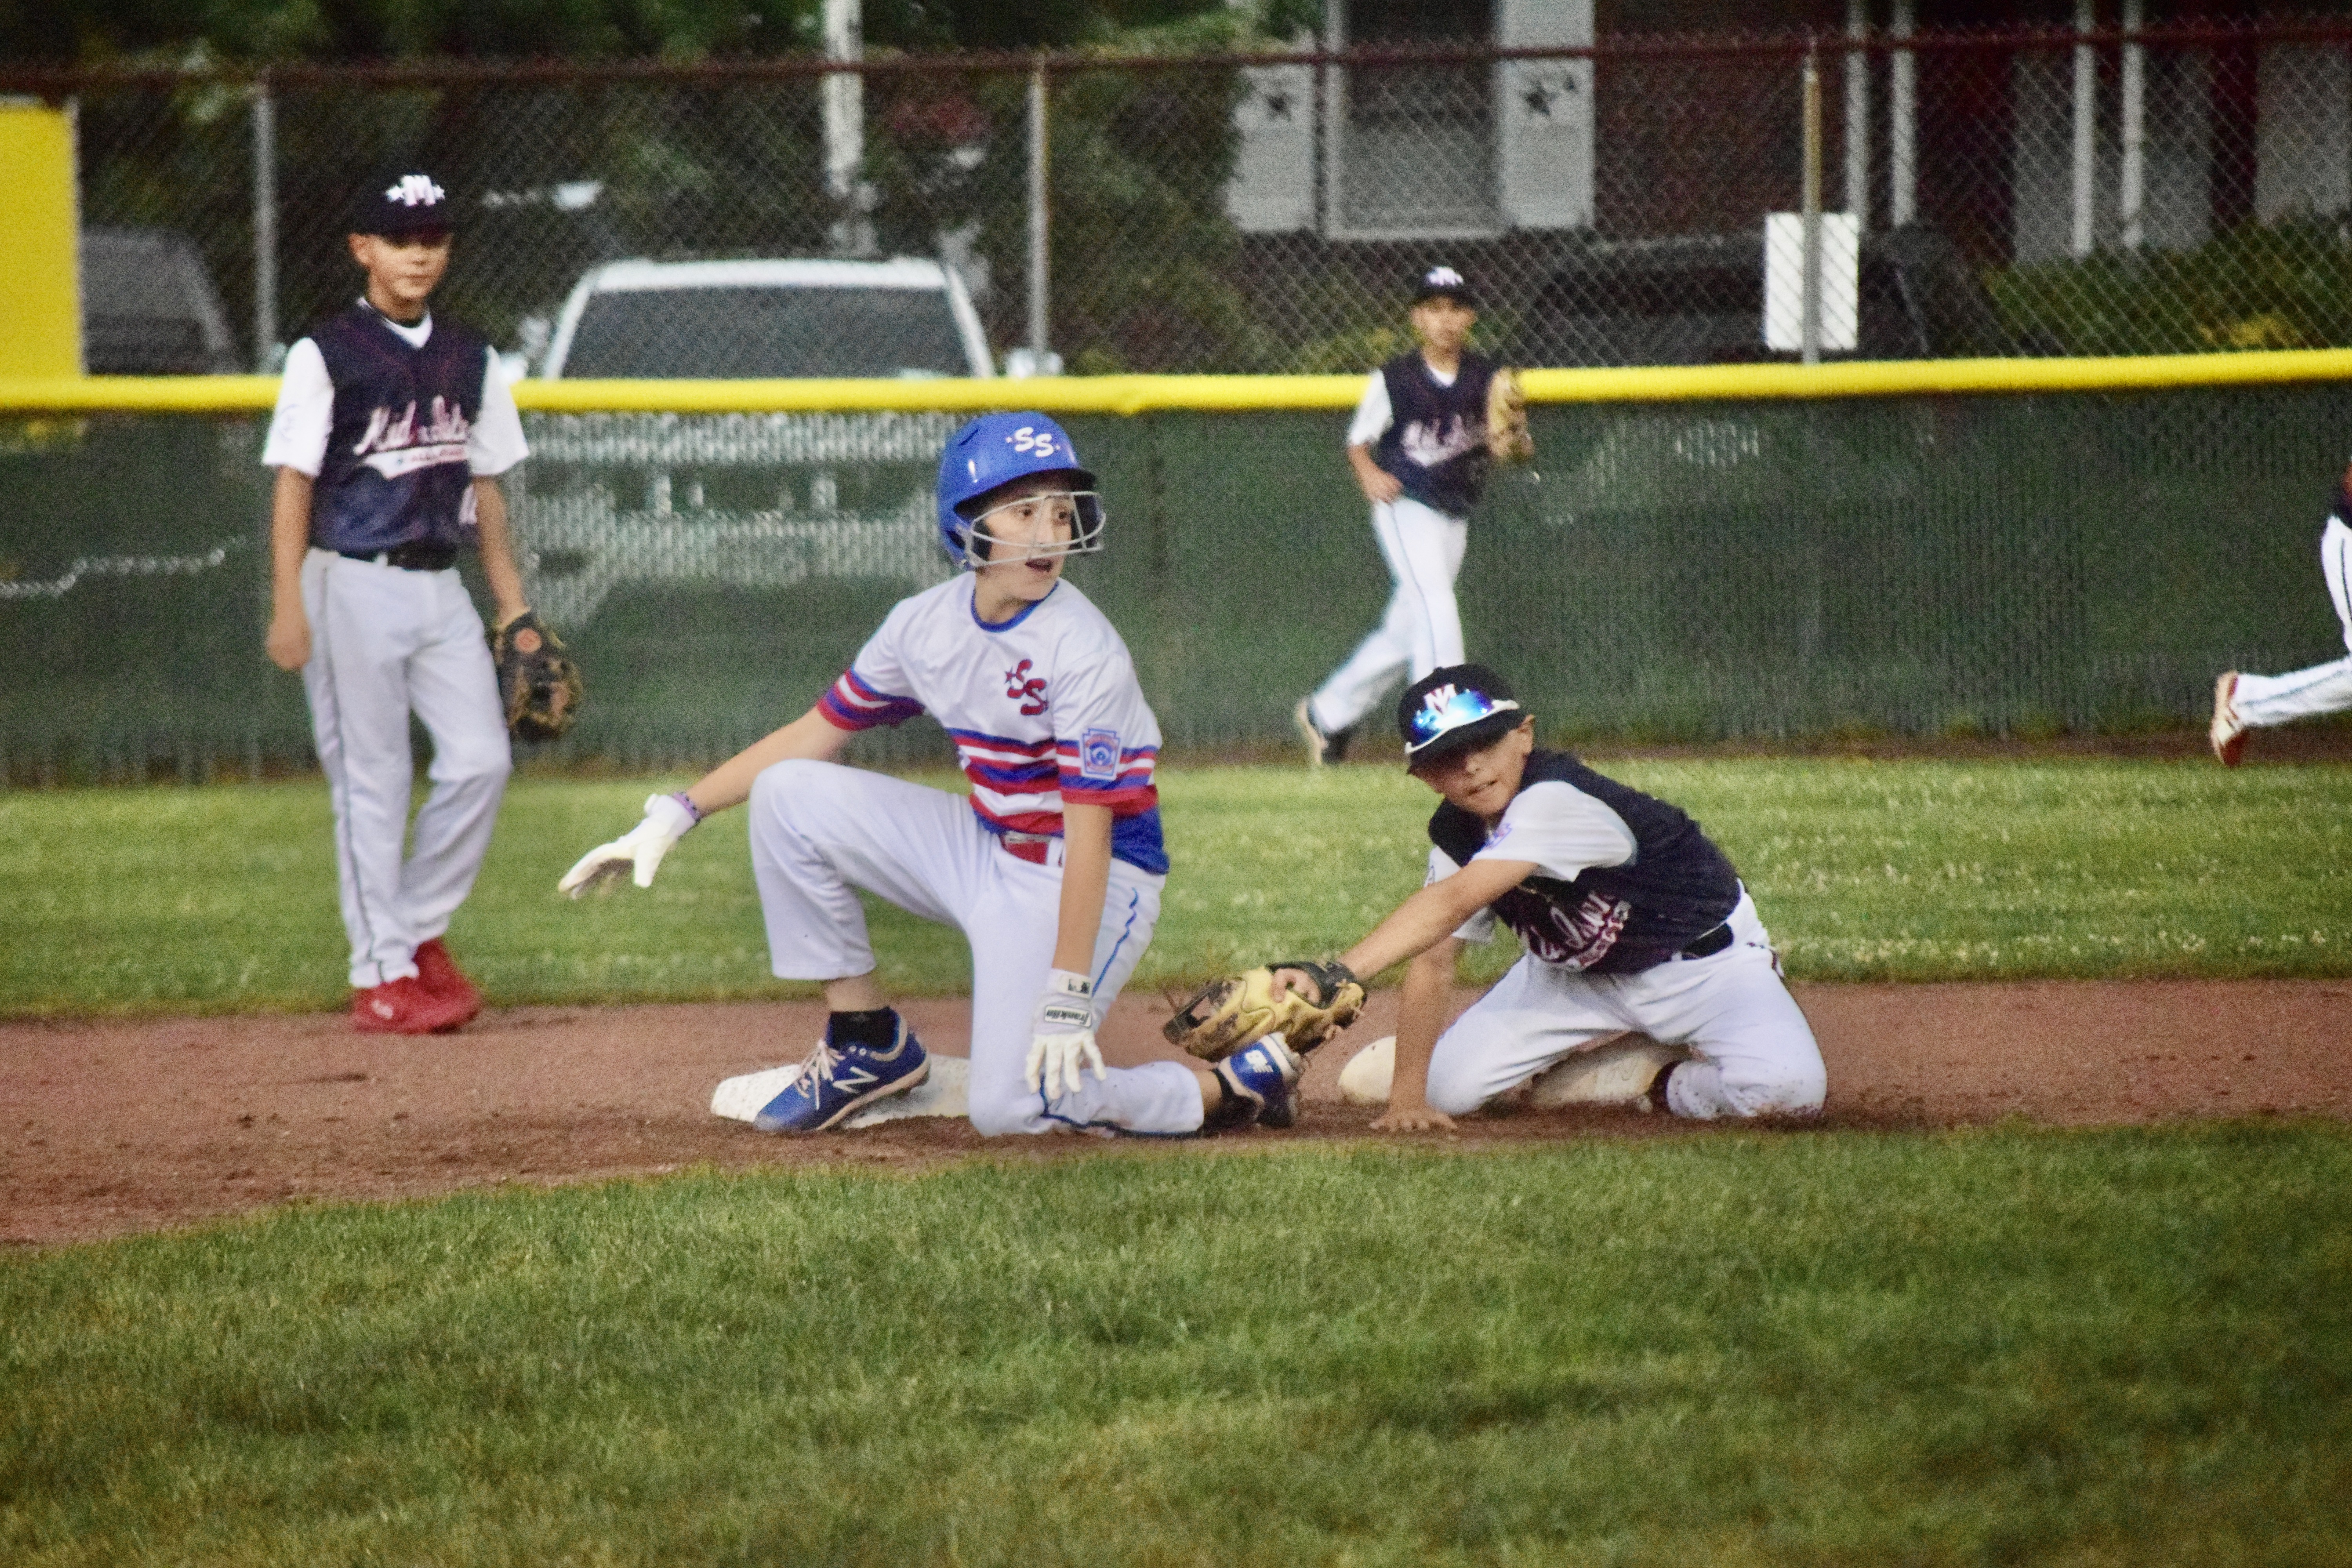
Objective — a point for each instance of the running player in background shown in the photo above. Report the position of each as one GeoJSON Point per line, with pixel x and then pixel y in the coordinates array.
{"type": "Point", "coordinates": [1052, 869]}
{"type": "Point", "coordinates": [1418, 450]}
{"type": "Point", "coordinates": [390, 433]}
{"type": "Point", "coordinates": [2245, 703]}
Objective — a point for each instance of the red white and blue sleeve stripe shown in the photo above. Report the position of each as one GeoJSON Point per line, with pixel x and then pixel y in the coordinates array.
{"type": "Point", "coordinates": [850, 703]}
{"type": "Point", "coordinates": [1129, 793]}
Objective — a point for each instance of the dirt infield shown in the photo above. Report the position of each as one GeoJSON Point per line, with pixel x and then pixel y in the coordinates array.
{"type": "Point", "coordinates": [111, 1127]}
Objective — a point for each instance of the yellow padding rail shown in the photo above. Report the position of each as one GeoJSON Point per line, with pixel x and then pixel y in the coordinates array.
{"type": "Point", "coordinates": [1130, 394]}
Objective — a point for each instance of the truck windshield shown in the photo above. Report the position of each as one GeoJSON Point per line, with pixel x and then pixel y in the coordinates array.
{"type": "Point", "coordinates": [767, 331]}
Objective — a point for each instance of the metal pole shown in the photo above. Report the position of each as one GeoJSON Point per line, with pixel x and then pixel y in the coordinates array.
{"type": "Point", "coordinates": [1902, 125]}
{"type": "Point", "coordinates": [842, 95]}
{"type": "Point", "coordinates": [1810, 340]}
{"type": "Point", "coordinates": [2086, 129]}
{"type": "Point", "coordinates": [1857, 114]}
{"type": "Point", "coordinates": [2132, 196]}
{"type": "Point", "coordinates": [265, 228]}
{"type": "Point", "coordinates": [1334, 107]}
{"type": "Point", "coordinates": [1040, 329]}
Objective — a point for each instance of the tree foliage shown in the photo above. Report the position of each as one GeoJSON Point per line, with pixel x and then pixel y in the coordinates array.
{"type": "Point", "coordinates": [94, 31]}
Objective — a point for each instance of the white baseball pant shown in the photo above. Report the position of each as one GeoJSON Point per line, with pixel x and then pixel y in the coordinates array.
{"type": "Point", "coordinates": [2267, 700]}
{"type": "Point", "coordinates": [820, 830]}
{"type": "Point", "coordinates": [1421, 628]}
{"type": "Point", "coordinates": [385, 644]}
{"type": "Point", "coordinates": [1752, 1051]}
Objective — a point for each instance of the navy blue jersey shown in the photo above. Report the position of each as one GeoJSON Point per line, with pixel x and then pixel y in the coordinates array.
{"type": "Point", "coordinates": [1610, 920]}
{"type": "Point", "coordinates": [395, 470]}
{"type": "Point", "coordinates": [1435, 444]}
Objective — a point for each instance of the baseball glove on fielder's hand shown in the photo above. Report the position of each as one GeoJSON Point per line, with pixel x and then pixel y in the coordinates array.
{"type": "Point", "coordinates": [1507, 439]}
{"type": "Point", "coordinates": [538, 684]}
{"type": "Point", "coordinates": [1227, 1014]}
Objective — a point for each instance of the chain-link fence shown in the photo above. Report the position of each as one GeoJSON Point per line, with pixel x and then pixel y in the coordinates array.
{"type": "Point", "coordinates": [1957, 565]}
{"type": "Point", "coordinates": [1628, 201]}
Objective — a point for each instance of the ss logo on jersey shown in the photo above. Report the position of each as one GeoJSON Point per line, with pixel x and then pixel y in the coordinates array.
{"type": "Point", "coordinates": [1027, 688]}
{"type": "Point", "coordinates": [1029, 439]}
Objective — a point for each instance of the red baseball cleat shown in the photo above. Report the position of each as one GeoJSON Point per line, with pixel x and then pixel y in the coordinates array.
{"type": "Point", "coordinates": [403, 1006]}
{"type": "Point", "coordinates": [440, 977]}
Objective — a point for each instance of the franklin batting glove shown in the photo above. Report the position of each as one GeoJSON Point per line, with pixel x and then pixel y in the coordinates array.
{"type": "Point", "coordinates": [667, 819]}
{"type": "Point", "coordinates": [1064, 1043]}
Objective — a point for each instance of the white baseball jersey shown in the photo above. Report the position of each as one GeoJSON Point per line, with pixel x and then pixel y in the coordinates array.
{"type": "Point", "coordinates": [1043, 707]}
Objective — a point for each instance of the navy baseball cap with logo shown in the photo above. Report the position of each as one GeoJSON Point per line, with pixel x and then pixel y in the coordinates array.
{"type": "Point", "coordinates": [1446, 281]}
{"type": "Point", "coordinates": [1456, 708]}
{"type": "Point", "coordinates": [403, 202]}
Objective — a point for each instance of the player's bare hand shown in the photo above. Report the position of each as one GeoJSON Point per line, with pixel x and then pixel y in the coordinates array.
{"type": "Point", "coordinates": [287, 641]}
{"type": "Point", "coordinates": [638, 851]}
{"type": "Point", "coordinates": [1380, 487]}
{"type": "Point", "coordinates": [1412, 1118]}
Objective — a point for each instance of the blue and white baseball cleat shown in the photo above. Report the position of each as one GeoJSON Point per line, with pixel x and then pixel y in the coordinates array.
{"type": "Point", "coordinates": [1264, 1077]}
{"type": "Point", "coordinates": [836, 1081]}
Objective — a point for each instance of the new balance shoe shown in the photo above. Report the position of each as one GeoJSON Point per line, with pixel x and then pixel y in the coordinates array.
{"type": "Point", "coordinates": [837, 1080]}
{"type": "Point", "coordinates": [403, 1006]}
{"type": "Point", "coordinates": [439, 974]}
{"type": "Point", "coordinates": [2228, 730]}
{"type": "Point", "coordinates": [1261, 1081]}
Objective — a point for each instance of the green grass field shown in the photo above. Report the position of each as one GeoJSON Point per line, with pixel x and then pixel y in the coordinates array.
{"type": "Point", "coordinates": [1999, 1345]}
{"type": "Point", "coordinates": [224, 899]}
{"type": "Point", "coordinates": [1994, 1346]}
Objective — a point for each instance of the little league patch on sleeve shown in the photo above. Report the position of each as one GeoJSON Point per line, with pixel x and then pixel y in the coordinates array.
{"type": "Point", "coordinates": [1099, 755]}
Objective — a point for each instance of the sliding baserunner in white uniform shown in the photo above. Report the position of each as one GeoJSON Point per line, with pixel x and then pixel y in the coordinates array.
{"type": "Point", "coordinates": [2242, 702]}
{"type": "Point", "coordinates": [1053, 867]}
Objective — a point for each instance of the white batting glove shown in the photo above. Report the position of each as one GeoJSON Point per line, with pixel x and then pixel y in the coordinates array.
{"type": "Point", "coordinates": [667, 818]}
{"type": "Point", "coordinates": [1063, 1045]}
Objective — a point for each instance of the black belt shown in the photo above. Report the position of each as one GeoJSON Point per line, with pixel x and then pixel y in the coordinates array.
{"type": "Point", "coordinates": [408, 557]}
{"type": "Point", "coordinates": [1709, 944]}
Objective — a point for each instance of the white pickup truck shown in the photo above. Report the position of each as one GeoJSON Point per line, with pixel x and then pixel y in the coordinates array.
{"type": "Point", "coordinates": [746, 500]}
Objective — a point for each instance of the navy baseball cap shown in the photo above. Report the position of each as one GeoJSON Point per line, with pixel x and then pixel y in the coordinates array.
{"type": "Point", "coordinates": [1454, 709]}
{"type": "Point", "coordinates": [1447, 281]}
{"type": "Point", "coordinates": [403, 202]}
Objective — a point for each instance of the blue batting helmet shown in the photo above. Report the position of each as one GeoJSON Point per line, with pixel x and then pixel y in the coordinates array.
{"type": "Point", "coordinates": [995, 449]}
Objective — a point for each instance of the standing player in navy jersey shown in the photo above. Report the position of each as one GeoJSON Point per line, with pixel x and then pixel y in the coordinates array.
{"type": "Point", "coordinates": [1052, 869]}
{"type": "Point", "coordinates": [1633, 922]}
{"type": "Point", "coordinates": [390, 433]}
{"type": "Point", "coordinates": [1418, 450]}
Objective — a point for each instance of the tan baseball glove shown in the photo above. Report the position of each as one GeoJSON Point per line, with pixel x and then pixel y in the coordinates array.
{"type": "Point", "coordinates": [538, 683]}
{"type": "Point", "coordinates": [1507, 438]}
{"type": "Point", "coordinates": [1227, 1014]}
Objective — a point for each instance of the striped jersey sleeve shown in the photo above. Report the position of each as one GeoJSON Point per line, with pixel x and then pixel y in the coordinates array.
{"type": "Point", "coordinates": [1106, 740]}
{"type": "Point", "coordinates": [870, 693]}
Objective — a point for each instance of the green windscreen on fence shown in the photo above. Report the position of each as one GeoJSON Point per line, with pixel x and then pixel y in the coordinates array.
{"type": "Point", "coordinates": [1998, 563]}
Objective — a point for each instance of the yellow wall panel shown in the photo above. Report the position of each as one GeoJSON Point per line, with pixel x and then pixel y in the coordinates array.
{"type": "Point", "coordinates": [40, 282]}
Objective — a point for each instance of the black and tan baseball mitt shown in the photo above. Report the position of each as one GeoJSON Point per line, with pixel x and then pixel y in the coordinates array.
{"type": "Point", "coordinates": [1227, 1014]}
{"type": "Point", "coordinates": [538, 686]}
{"type": "Point", "coordinates": [1508, 440]}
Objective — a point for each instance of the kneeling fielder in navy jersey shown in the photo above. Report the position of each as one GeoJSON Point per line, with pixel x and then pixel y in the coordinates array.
{"type": "Point", "coordinates": [1633, 920]}
{"type": "Point", "coordinates": [1052, 869]}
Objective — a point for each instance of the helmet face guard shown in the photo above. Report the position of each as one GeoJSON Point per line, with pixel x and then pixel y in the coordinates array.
{"type": "Point", "coordinates": [1085, 526]}
{"type": "Point", "coordinates": [996, 450]}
